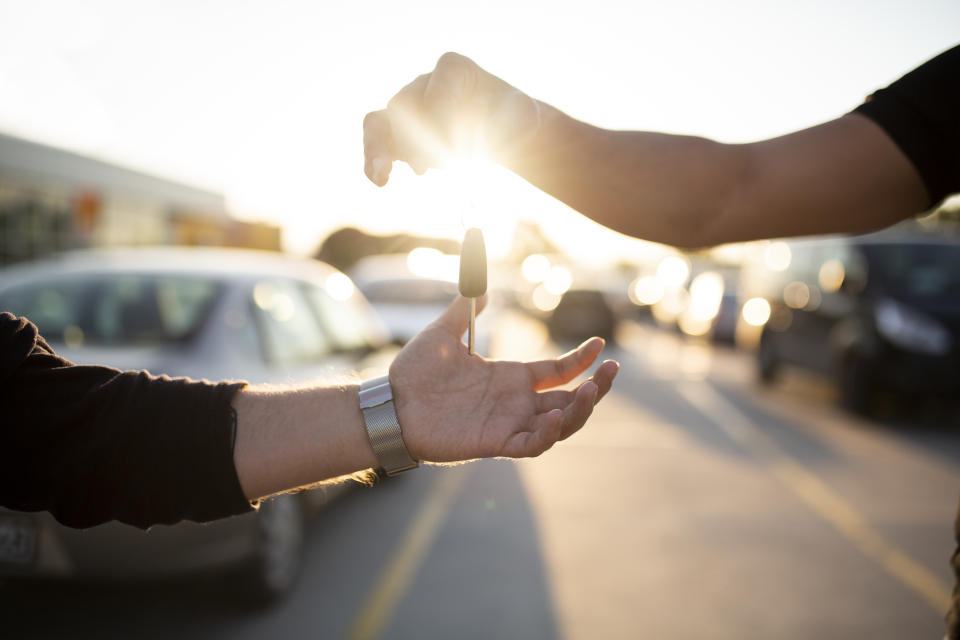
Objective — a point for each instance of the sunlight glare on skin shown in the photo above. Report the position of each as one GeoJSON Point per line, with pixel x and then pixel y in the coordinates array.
{"type": "Point", "coordinates": [431, 148]}
{"type": "Point", "coordinates": [480, 195]}
{"type": "Point", "coordinates": [471, 180]}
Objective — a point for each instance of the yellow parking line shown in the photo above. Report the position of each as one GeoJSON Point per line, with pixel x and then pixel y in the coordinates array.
{"type": "Point", "coordinates": [408, 557]}
{"type": "Point", "coordinates": [818, 496]}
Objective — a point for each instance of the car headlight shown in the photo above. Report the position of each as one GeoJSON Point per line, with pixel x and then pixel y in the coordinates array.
{"type": "Point", "coordinates": [910, 329]}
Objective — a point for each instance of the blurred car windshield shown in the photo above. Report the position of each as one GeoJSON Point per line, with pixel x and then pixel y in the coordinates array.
{"type": "Point", "coordinates": [411, 291]}
{"type": "Point", "coordinates": [114, 310]}
{"type": "Point", "coordinates": [920, 271]}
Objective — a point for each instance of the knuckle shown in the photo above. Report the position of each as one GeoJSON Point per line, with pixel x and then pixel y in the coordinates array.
{"type": "Point", "coordinates": [407, 95]}
{"type": "Point", "coordinates": [451, 59]}
{"type": "Point", "coordinates": [395, 102]}
{"type": "Point", "coordinates": [371, 119]}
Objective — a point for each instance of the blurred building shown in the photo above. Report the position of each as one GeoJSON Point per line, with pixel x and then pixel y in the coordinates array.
{"type": "Point", "coordinates": [53, 200]}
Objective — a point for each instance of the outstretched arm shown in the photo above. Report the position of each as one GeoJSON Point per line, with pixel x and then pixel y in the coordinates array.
{"type": "Point", "coordinates": [843, 175]}
{"type": "Point", "coordinates": [451, 407]}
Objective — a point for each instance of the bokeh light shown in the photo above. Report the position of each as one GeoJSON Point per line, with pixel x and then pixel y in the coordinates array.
{"type": "Point", "coordinates": [831, 275]}
{"type": "Point", "coordinates": [339, 286]}
{"type": "Point", "coordinates": [706, 293]}
{"type": "Point", "coordinates": [558, 280]}
{"type": "Point", "coordinates": [796, 295]}
{"type": "Point", "coordinates": [673, 271]}
{"type": "Point", "coordinates": [777, 256]}
{"type": "Point", "coordinates": [535, 268]}
{"type": "Point", "coordinates": [756, 312]}
{"type": "Point", "coordinates": [645, 290]}
{"type": "Point", "coordinates": [544, 300]}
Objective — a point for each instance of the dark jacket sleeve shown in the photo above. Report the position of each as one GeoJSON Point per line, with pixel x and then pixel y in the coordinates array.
{"type": "Point", "coordinates": [921, 113]}
{"type": "Point", "coordinates": [92, 444]}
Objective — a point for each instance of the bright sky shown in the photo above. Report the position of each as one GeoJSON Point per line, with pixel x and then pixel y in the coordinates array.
{"type": "Point", "coordinates": [264, 100]}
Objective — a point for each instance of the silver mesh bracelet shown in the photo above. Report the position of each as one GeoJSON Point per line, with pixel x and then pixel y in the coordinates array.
{"type": "Point", "coordinates": [383, 428]}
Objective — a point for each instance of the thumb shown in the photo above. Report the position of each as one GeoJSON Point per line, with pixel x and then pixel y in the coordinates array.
{"type": "Point", "coordinates": [456, 318]}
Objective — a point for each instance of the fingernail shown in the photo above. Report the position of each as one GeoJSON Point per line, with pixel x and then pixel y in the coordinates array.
{"type": "Point", "coordinates": [378, 169]}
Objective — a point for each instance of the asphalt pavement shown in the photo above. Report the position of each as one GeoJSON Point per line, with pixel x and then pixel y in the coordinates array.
{"type": "Point", "coordinates": [696, 504]}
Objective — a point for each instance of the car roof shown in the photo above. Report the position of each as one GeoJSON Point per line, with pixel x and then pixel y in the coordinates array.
{"type": "Point", "coordinates": [217, 262]}
{"type": "Point", "coordinates": [899, 234]}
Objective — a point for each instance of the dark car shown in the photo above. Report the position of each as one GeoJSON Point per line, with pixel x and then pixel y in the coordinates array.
{"type": "Point", "coordinates": [202, 313]}
{"type": "Point", "coordinates": [582, 314]}
{"type": "Point", "coordinates": [879, 312]}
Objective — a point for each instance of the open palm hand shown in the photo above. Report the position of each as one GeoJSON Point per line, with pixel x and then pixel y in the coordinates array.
{"type": "Point", "coordinates": [454, 406]}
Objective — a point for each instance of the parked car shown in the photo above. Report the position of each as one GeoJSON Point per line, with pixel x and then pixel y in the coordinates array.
{"type": "Point", "coordinates": [879, 312]}
{"type": "Point", "coordinates": [582, 314]}
{"type": "Point", "coordinates": [407, 305]}
{"type": "Point", "coordinates": [408, 301]}
{"type": "Point", "coordinates": [203, 313]}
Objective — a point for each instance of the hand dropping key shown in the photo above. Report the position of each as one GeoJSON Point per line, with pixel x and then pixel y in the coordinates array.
{"type": "Point", "coordinates": [473, 276]}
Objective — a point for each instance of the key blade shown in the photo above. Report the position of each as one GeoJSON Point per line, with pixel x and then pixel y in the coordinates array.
{"type": "Point", "coordinates": [471, 329]}
{"type": "Point", "coordinates": [473, 264]}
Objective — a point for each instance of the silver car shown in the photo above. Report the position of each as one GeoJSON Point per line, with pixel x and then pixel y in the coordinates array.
{"type": "Point", "coordinates": [204, 313]}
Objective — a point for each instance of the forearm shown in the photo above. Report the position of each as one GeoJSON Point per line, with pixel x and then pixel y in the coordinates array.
{"type": "Point", "coordinates": [660, 187]}
{"type": "Point", "coordinates": [289, 438]}
{"type": "Point", "coordinates": [92, 444]}
{"type": "Point", "coordinates": [845, 175]}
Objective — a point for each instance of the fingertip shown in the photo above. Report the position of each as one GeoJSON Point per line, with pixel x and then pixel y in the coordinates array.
{"type": "Point", "coordinates": [592, 343]}
{"type": "Point", "coordinates": [612, 365]}
{"type": "Point", "coordinates": [587, 352]}
{"type": "Point", "coordinates": [379, 170]}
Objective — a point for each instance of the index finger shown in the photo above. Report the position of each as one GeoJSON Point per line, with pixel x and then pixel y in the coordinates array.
{"type": "Point", "coordinates": [550, 373]}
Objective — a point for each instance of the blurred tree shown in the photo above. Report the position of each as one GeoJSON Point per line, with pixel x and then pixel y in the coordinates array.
{"type": "Point", "coordinates": [345, 246]}
{"type": "Point", "coordinates": [945, 218]}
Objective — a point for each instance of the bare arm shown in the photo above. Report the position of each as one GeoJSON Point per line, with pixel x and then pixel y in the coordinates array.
{"type": "Point", "coordinates": [451, 406]}
{"type": "Point", "coordinates": [843, 175]}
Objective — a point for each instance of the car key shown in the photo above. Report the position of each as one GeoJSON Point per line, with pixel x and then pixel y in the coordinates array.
{"type": "Point", "coordinates": [473, 276]}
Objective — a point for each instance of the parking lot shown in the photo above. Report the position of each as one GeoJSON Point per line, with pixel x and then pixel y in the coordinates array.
{"type": "Point", "coordinates": [695, 504]}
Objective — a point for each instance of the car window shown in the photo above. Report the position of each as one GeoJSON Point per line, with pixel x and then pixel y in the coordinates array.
{"type": "Point", "coordinates": [290, 328]}
{"type": "Point", "coordinates": [918, 271]}
{"type": "Point", "coordinates": [114, 309]}
{"type": "Point", "coordinates": [240, 332]}
{"type": "Point", "coordinates": [347, 321]}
